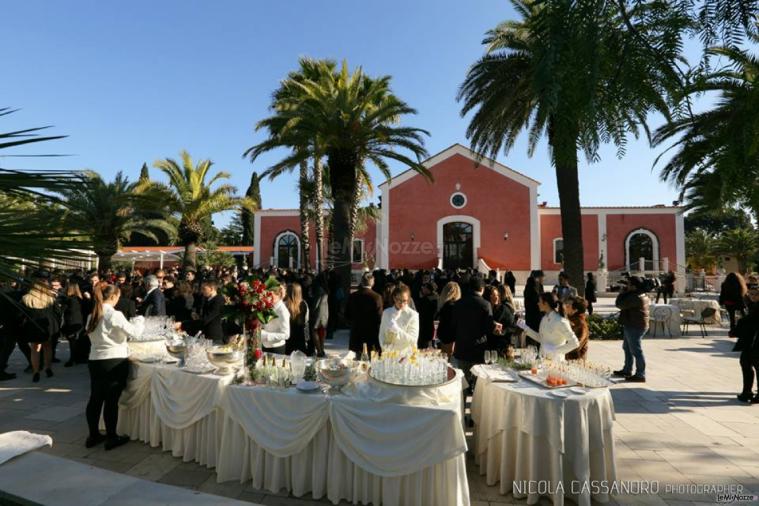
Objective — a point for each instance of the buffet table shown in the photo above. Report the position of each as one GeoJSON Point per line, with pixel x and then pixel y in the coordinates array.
{"type": "Point", "coordinates": [368, 444]}
{"type": "Point", "coordinates": [537, 444]}
{"type": "Point", "coordinates": [694, 307]}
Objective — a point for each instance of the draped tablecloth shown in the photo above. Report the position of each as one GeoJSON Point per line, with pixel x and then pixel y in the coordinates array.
{"type": "Point", "coordinates": [673, 325]}
{"type": "Point", "coordinates": [179, 411]}
{"type": "Point", "coordinates": [359, 446]}
{"type": "Point", "coordinates": [535, 444]}
{"type": "Point", "coordinates": [696, 306]}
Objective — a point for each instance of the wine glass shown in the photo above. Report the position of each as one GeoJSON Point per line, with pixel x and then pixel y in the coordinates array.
{"type": "Point", "coordinates": [487, 357]}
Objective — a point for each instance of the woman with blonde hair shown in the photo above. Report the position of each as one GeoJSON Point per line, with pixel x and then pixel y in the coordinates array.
{"type": "Point", "coordinates": [450, 294]}
{"type": "Point", "coordinates": [109, 330]}
{"type": "Point", "coordinates": [72, 321]}
{"type": "Point", "coordinates": [298, 308]}
{"type": "Point", "coordinates": [40, 325]}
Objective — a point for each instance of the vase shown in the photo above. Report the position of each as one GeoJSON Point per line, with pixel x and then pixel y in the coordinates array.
{"type": "Point", "coordinates": [252, 347]}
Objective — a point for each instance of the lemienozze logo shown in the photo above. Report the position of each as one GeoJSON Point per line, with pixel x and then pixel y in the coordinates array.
{"type": "Point", "coordinates": [731, 498]}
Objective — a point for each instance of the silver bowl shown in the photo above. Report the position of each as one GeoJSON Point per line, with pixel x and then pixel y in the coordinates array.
{"type": "Point", "coordinates": [334, 372]}
{"type": "Point", "coordinates": [177, 349]}
{"type": "Point", "coordinates": [224, 359]}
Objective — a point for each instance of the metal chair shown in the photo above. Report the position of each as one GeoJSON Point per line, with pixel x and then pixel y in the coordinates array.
{"type": "Point", "coordinates": [707, 314]}
{"type": "Point", "coordinates": [662, 315]}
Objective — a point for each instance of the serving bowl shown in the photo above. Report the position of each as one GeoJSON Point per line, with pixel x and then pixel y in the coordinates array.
{"type": "Point", "coordinates": [177, 349]}
{"type": "Point", "coordinates": [335, 372]}
{"type": "Point", "coordinates": [225, 359]}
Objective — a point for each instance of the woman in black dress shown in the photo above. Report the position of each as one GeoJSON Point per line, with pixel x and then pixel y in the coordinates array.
{"type": "Point", "coordinates": [299, 331]}
{"type": "Point", "coordinates": [73, 320]}
{"type": "Point", "coordinates": [40, 325]}
{"type": "Point", "coordinates": [181, 303]}
{"type": "Point", "coordinates": [532, 315]}
{"type": "Point", "coordinates": [450, 294]}
{"type": "Point", "coordinates": [590, 292]}
{"type": "Point", "coordinates": [503, 313]}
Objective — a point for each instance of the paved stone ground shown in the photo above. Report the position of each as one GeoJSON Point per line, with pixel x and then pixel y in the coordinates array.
{"type": "Point", "coordinates": [682, 427]}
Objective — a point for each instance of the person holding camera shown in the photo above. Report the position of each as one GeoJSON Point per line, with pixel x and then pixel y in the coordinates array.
{"type": "Point", "coordinates": [633, 304]}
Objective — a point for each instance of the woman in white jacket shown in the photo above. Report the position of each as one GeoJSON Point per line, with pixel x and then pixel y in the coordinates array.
{"type": "Point", "coordinates": [555, 333]}
{"type": "Point", "coordinates": [399, 327]}
{"type": "Point", "coordinates": [109, 330]}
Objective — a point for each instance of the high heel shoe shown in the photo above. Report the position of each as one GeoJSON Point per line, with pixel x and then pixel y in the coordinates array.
{"type": "Point", "coordinates": [36, 377]}
{"type": "Point", "coordinates": [49, 373]}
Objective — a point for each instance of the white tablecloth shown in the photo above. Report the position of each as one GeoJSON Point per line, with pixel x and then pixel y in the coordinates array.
{"type": "Point", "coordinates": [179, 411]}
{"type": "Point", "coordinates": [696, 306]}
{"type": "Point", "coordinates": [523, 435]}
{"type": "Point", "coordinates": [345, 447]}
{"type": "Point", "coordinates": [672, 328]}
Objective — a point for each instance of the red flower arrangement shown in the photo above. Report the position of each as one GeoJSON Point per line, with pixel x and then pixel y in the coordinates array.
{"type": "Point", "coordinates": [250, 304]}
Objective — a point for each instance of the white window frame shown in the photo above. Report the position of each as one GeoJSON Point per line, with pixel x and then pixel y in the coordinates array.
{"type": "Point", "coordinates": [655, 245]}
{"type": "Point", "coordinates": [363, 251]}
{"type": "Point", "coordinates": [276, 248]}
{"type": "Point", "coordinates": [450, 200]}
{"type": "Point", "coordinates": [553, 258]}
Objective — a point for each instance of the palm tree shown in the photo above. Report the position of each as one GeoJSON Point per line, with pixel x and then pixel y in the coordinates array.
{"type": "Point", "coordinates": [109, 213]}
{"type": "Point", "coordinates": [716, 159]}
{"type": "Point", "coordinates": [194, 199]}
{"type": "Point", "coordinates": [286, 98]}
{"type": "Point", "coordinates": [574, 73]}
{"type": "Point", "coordinates": [355, 120]}
{"type": "Point", "coordinates": [741, 243]}
{"type": "Point", "coordinates": [32, 225]}
{"type": "Point", "coordinates": [702, 249]}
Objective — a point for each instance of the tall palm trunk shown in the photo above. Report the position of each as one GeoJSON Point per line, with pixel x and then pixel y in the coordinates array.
{"type": "Point", "coordinates": [190, 259]}
{"type": "Point", "coordinates": [563, 143]}
{"type": "Point", "coordinates": [358, 196]}
{"type": "Point", "coordinates": [319, 205]}
{"type": "Point", "coordinates": [104, 262]}
{"type": "Point", "coordinates": [305, 238]}
{"type": "Point", "coordinates": [343, 182]}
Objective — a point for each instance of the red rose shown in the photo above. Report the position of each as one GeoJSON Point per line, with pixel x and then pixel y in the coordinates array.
{"type": "Point", "coordinates": [258, 354]}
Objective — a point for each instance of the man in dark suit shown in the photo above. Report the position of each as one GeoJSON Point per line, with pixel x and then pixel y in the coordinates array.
{"type": "Point", "coordinates": [155, 302]}
{"type": "Point", "coordinates": [211, 313]}
{"type": "Point", "coordinates": [473, 322]}
{"type": "Point", "coordinates": [364, 311]}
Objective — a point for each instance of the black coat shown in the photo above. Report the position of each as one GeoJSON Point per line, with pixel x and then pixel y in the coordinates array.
{"type": "Point", "coordinates": [298, 333]}
{"type": "Point", "coordinates": [532, 314]}
{"type": "Point", "coordinates": [364, 311]}
{"type": "Point", "coordinates": [473, 322]}
{"type": "Point", "coordinates": [427, 307]}
{"type": "Point", "coordinates": [126, 306]}
{"type": "Point", "coordinates": [446, 330]}
{"type": "Point", "coordinates": [72, 311]}
{"type": "Point", "coordinates": [590, 290]}
{"type": "Point", "coordinates": [511, 281]}
{"type": "Point", "coordinates": [154, 304]}
{"type": "Point", "coordinates": [503, 314]}
{"type": "Point", "coordinates": [180, 307]}
{"type": "Point", "coordinates": [40, 325]}
{"type": "Point", "coordinates": [210, 322]}
{"type": "Point", "coordinates": [746, 331]}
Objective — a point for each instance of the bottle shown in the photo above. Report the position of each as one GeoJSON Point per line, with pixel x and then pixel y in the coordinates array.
{"type": "Point", "coordinates": [364, 355]}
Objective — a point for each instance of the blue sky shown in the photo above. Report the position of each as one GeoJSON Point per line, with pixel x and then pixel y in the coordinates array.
{"type": "Point", "coordinates": [133, 82]}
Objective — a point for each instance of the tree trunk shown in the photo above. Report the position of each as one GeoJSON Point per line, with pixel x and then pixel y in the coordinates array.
{"type": "Point", "coordinates": [305, 239]}
{"type": "Point", "coordinates": [563, 143]}
{"type": "Point", "coordinates": [104, 262]}
{"type": "Point", "coordinates": [319, 205]}
{"type": "Point", "coordinates": [343, 182]}
{"type": "Point", "coordinates": [356, 199]}
{"type": "Point", "coordinates": [190, 259]}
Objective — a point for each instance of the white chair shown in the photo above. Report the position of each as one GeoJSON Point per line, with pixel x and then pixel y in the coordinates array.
{"type": "Point", "coordinates": [661, 315]}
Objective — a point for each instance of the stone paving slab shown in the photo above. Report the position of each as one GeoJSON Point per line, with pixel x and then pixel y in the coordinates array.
{"type": "Point", "coordinates": [684, 426]}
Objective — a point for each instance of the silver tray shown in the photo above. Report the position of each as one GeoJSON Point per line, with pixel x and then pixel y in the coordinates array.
{"type": "Point", "coordinates": [538, 381]}
{"type": "Point", "coordinates": [451, 378]}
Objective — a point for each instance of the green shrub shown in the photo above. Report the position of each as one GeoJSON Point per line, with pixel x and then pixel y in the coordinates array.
{"type": "Point", "coordinates": [601, 327]}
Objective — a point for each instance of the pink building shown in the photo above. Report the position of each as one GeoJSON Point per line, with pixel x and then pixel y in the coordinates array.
{"type": "Point", "coordinates": [485, 216]}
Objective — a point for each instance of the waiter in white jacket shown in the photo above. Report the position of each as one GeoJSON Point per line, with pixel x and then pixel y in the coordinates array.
{"type": "Point", "coordinates": [277, 331]}
{"type": "Point", "coordinates": [399, 327]}
{"type": "Point", "coordinates": [555, 333]}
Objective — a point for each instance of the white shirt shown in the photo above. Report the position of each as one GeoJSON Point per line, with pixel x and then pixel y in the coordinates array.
{"type": "Point", "coordinates": [556, 336]}
{"type": "Point", "coordinates": [399, 329]}
{"type": "Point", "coordinates": [277, 331]}
{"type": "Point", "coordinates": [109, 339]}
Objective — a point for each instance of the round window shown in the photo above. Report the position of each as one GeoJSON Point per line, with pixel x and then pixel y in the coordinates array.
{"type": "Point", "coordinates": [458, 200]}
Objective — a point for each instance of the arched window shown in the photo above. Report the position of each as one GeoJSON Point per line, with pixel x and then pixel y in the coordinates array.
{"type": "Point", "coordinates": [287, 251]}
{"type": "Point", "coordinates": [558, 250]}
{"type": "Point", "coordinates": [642, 243]}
